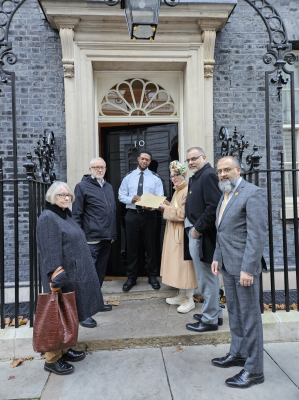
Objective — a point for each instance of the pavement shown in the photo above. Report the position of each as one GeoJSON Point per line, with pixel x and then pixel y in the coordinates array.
{"type": "Point", "coordinates": [160, 373]}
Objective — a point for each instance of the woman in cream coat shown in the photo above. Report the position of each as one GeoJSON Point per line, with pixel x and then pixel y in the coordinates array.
{"type": "Point", "coordinates": [174, 270]}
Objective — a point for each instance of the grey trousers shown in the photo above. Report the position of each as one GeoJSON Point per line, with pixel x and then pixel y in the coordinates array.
{"type": "Point", "coordinates": [245, 321]}
{"type": "Point", "coordinates": [208, 284]}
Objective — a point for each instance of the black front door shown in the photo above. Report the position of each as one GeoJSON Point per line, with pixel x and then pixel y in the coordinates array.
{"type": "Point", "coordinates": [120, 147]}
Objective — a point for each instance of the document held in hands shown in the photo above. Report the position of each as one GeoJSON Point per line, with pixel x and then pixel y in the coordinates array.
{"type": "Point", "coordinates": [150, 200]}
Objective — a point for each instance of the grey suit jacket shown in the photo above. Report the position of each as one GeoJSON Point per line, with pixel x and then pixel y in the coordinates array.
{"type": "Point", "coordinates": [242, 232]}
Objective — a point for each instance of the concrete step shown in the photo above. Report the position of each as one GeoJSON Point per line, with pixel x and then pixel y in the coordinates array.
{"type": "Point", "coordinates": [148, 323]}
{"type": "Point", "coordinates": [112, 290]}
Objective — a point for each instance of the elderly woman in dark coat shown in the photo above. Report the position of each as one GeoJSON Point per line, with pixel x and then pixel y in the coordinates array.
{"type": "Point", "coordinates": [61, 242]}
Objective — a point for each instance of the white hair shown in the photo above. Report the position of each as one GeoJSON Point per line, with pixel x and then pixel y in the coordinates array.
{"type": "Point", "coordinates": [54, 189]}
{"type": "Point", "coordinates": [96, 158]}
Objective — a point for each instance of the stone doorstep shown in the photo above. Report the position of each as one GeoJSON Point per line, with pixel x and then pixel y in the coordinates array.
{"type": "Point", "coordinates": [149, 323]}
{"type": "Point", "coordinates": [112, 290]}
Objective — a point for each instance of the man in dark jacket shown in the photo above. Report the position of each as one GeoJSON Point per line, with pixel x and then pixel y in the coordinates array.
{"type": "Point", "coordinates": [94, 210]}
{"type": "Point", "coordinates": [200, 209]}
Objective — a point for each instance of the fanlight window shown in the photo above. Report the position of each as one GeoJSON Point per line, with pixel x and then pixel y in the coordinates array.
{"type": "Point", "coordinates": [137, 97]}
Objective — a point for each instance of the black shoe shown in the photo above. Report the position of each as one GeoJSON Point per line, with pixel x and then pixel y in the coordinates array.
{"type": "Point", "coordinates": [199, 316]}
{"type": "Point", "coordinates": [106, 307]}
{"type": "Point", "coordinates": [244, 380]}
{"type": "Point", "coordinates": [73, 355]}
{"type": "Point", "coordinates": [229, 361]}
{"type": "Point", "coordinates": [202, 327]}
{"type": "Point", "coordinates": [88, 323]}
{"type": "Point", "coordinates": [59, 367]}
{"type": "Point", "coordinates": [129, 284]}
{"type": "Point", "coordinates": [152, 280]}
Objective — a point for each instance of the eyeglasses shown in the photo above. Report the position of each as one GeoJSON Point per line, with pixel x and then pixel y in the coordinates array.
{"type": "Point", "coordinates": [225, 170]}
{"type": "Point", "coordinates": [99, 168]}
{"type": "Point", "coordinates": [192, 159]}
{"type": "Point", "coordinates": [174, 176]}
{"type": "Point", "coordinates": [65, 195]}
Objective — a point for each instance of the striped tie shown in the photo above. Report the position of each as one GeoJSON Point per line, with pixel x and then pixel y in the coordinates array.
{"type": "Point", "coordinates": [224, 204]}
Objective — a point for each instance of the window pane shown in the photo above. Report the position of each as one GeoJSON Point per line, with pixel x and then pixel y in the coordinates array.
{"type": "Point", "coordinates": [287, 150]}
{"type": "Point", "coordinates": [286, 104]}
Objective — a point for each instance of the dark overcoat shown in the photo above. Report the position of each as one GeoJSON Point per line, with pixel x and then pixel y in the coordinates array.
{"type": "Point", "coordinates": [61, 242]}
{"type": "Point", "coordinates": [200, 209]}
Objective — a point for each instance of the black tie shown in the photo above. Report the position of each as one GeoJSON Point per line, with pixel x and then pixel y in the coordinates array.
{"type": "Point", "coordinates": [140, 187]}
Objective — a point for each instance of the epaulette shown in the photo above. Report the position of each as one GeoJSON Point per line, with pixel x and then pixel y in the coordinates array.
{"type": "Point", "coordinates": [157, 175]}
{"type": "Point", "coordinates": [128, 173]}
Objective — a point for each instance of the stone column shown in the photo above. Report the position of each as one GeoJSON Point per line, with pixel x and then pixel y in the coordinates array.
{"type": "Point", "coordinates": [208, 38]}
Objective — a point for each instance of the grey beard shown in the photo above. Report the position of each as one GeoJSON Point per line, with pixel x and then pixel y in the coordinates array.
{"type": "Point", "coordinates": [228, 186]}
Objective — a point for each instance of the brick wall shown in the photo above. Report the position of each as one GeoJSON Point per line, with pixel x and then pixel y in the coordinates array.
{"type": "Point", "coordinates": [40, 105]}
{"type": "Point", "coordinates": [239, 96]}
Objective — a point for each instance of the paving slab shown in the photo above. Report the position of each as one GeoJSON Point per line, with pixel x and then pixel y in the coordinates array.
{"type": "Point", "coordinates": [112, 290]}
{"type": "Point", "coordinates": [286, 355]}
{"type": "Point", "coordinates": [192, 375]}
{"type": "Point", "coordinates": [110, 375]}
{"type": "Point", "coordinates": [28, 382]}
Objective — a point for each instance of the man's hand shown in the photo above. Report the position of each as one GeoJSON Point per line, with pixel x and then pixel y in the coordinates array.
{"type": "Point", "coordinates": [194, 234]}
{"type": "Point", "coordinates": [246, 279]}
{"type": "Point", "coordinates": [112, 240]}
{"type": "Point", "coordinates": [215, 269]}
{"type": "Point", "coordinates": [136, 198]}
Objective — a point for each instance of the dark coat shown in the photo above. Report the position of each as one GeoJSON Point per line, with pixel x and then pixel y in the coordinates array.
{"type": "Point", "coordinates": [94, 209]}
{"type": "Point", "coordinates": [61, 242]}
{"type": "Point", "coordinates": [200, 209]}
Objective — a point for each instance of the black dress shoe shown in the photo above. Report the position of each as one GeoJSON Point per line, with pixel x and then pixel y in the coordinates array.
{"type": "Point", "coordinates": [88, 323]}
{"type": "Point", "coordinates": [106, 307]}
{"type": "Point", "coordinates": [199, 316]}
{"type": "Point", "coordinates": [244, 380]}
{"type": "Point", "coordinates": [229, 361]}
{"type": "Point", "coordinates": [73, 355]}
{"type": "Point", "coordinates": [59, 367]}
{"type": "Point", "coordinates": [202, 327]}
{"type": "Point", "coordinates": [129, 284]}
{"type": "Point", "coordinates": [152, 280]}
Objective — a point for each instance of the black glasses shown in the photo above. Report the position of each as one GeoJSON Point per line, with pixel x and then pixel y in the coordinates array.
{"type": "Point", "coordinates": [224, 170]}
{"type": "Point", "coordinates": [174, 176]}
{"type": "Point", "coordinates": [65, 195]}
{"type": "Point", "coordinates": [99, 168]}
{"type": "Point", "coordinates": [192, 159]}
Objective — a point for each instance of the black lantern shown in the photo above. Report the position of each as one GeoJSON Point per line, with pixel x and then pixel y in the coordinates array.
{"type": "Point", "coordinates": [142, 16]}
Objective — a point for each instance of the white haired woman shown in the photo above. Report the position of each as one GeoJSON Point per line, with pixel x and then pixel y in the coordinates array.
{"type": "Point", "coordinates": [175, 271]}
{"type": "Point", "coordinates": [61, 242]}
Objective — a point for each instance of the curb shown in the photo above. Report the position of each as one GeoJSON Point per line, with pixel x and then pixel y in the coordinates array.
{"type": "Point", "coordinates": [278, 327]}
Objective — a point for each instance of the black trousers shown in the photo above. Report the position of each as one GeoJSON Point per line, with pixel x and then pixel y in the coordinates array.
{"type": "Point", "coordinates": [141, 226]}
{"type": "Point", "coordinates": [100, 253]}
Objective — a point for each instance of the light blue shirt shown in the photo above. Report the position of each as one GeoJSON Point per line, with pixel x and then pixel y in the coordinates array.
{"type": "Point", "coordinates": [152, 184]}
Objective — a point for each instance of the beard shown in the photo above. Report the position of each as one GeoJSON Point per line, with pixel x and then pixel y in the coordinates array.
{"type": "Point", "coordinates": [229, 185]}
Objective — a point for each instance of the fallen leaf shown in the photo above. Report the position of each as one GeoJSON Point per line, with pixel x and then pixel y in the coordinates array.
{"type": "Point", "coordinates": [197, 299]}
{"type": "Point", "coordinates": [266, 307]}
{"type": "Point", "coordinates": [23, 321]}
{"type": "Point", "coordinates": [15, 363]}
{"type": "Point", "coordinates": [21, 317]}
{"type": "Point", "coordinates": [7, 321]}
{"type": "Point", "coordinates": [294, 306]}
{"type": "Point", "coordinates": [282, 307]}
{"type": "Point", "coordinates": [11, 377]}
{"type": "Point", "coordinates": [119, 349]}
{"type": "Point", "coordinates": [223, 300]}
{"type": "Point", "coordinates": [13, 322]}
{"type": "Point", "coordinates": [113, 303]}
{"type": "Point", "coordinates": [179, 349]}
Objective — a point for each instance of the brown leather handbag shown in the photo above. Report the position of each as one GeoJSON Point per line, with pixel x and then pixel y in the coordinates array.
{"type": "Point", "coordinates": [56, 322]}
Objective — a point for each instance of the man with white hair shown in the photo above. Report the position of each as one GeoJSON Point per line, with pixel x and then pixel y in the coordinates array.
{"type": "Point", "coordinates": [94, 209]}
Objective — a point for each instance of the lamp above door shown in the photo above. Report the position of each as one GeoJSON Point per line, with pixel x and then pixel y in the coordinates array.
{"type": "Point", "coordinates": [142, 16]}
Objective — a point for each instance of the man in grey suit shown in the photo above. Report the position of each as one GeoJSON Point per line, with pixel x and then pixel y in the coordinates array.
{"type": "Point", "coordinates": [241, 224]}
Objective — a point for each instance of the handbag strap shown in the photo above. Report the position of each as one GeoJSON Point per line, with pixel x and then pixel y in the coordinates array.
{"type": "Point", "coordinates": [57, 271]}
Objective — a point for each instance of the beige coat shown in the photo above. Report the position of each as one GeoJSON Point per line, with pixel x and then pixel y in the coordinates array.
{"type": "Point", "coordinates": [174, 270]}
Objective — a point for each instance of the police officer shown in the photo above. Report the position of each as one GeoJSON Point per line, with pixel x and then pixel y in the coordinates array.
{"type": "Point", "coordinates": [140, 221]}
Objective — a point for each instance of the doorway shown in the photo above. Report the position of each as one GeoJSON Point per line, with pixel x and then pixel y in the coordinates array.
{"type": "Point", "coordinates": [119, 146]}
